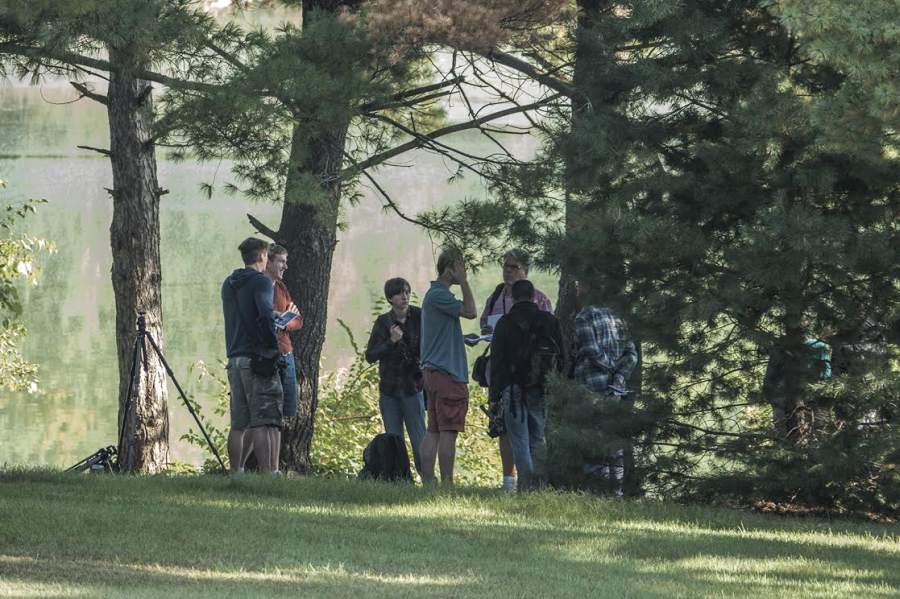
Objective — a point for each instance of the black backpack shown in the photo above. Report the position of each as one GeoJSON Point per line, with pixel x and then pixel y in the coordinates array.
{"type": "Point", "coordinates": [385, 458]}
{"type": "Point", "coordinates": [538, 356]}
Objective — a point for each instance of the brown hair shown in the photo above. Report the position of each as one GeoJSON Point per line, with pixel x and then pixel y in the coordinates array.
{"type": "Point", "coordinates": [251, 250]}
{"type": "Point", "coordinates": [277, 250]}
{"type": "Point", "coordinates": [448, 257]}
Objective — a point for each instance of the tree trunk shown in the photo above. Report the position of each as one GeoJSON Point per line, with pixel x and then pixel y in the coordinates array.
{"type": "Point", "coordinates": [136, 276]}
{"type": "Point", "coordinates": [567, 303]}
{"type": "Point", "coordinates": [308, 230]}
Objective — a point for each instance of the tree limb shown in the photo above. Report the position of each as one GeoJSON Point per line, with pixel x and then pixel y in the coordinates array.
{"type": "Point", "coordinates": [273, 235]}
{"type": "Point", "coordinates": [98, 150]}
{"type": "Point", "coordinates": [424, 139]}
{"type": "Point", "coordinates": [73, 59]}
{"type": "Point", "coordinates": [411, 93]}
{"type": "Point", "coordinates": [555, 83]}
{"type": "Point", "coordinates": [87, 93]}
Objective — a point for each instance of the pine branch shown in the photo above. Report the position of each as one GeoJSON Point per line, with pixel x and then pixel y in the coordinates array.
{"type": "Point", "coordinates": [408, 103]}
{"type": "Point", "coordinates": [555, 83]}
{"type": "Point", "coordinates": [78, 60]}
{"type": "Point", "coordinates": [423, 139]}
{"type": "Point", "coordinates": [411, 93]}
{"type": "Point", "coordinates": [434, 145]}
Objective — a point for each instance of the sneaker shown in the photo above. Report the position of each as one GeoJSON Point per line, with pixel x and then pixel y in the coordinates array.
{"type": "Point", "coordinates": [509, 484]}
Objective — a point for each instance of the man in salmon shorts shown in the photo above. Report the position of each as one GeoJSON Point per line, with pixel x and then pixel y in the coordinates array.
{"type": "Point", "coordinates": [444, 365]}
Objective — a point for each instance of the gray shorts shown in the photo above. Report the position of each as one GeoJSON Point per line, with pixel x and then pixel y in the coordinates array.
{"type": "Point", "coordinates": [255, 400]}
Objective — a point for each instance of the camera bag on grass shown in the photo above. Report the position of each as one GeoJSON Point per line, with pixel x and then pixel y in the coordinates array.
{"type": "Point", "coordinates": [385, 458]}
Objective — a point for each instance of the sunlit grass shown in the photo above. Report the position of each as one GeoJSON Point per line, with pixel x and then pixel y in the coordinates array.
{"type": "Point", "coordinates": [101, 536]}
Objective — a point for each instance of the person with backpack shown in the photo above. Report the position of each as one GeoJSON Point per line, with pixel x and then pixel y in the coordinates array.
{"type": "Point", "coordinates": [394, 344]}
{"type": "Point", "coordinates": [514, 264]}
{"type": "Point", "coordinates": [525, 349]}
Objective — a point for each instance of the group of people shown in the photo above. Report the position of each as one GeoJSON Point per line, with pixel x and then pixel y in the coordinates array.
{"type": "Point", "coordinates": [422, 365]}
{"type": "Point", "coordinates": [262, 375]}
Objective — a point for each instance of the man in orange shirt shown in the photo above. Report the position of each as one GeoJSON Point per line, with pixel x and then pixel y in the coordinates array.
{"type": "Point", "coordinates": [282, 303]}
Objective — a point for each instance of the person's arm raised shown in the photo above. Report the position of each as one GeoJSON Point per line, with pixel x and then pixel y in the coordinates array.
{"type": "Point", "coordinates": [468, 308]}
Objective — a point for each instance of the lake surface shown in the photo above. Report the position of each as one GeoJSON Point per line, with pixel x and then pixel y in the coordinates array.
{"type": "Point", "coordinates": [70, 315]}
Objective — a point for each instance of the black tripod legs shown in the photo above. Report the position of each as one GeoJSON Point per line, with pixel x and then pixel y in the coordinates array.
{"type": "Point", "coordinates": [139, 360]}
{"type": "Point", "coordinates": [184, 399]}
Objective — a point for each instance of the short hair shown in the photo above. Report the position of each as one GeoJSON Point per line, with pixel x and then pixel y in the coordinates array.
{"type": "Point", "coordinates": [277, 250]}
{"type": "Point", "coordinates": [523, 290]}
{"type": "Point", "coordinates": [448, 258]}
{"type": "Point", "coordinates": [520, 256]}
{"type": "Point", "coordinates": [394, 286]}
{"type": "Point", "coordinates": [251, 250]}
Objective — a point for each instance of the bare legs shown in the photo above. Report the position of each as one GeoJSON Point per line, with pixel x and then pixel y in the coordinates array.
{"type": "Point", "coordinates": [235, 450]}
{"type": "Point", "coordinates": [258, 439]}
{"type": "Point", "coordinates": [440, 446]}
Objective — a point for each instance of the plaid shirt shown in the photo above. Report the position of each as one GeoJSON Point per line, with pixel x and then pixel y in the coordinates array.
{"type": "Point", "coordinates": [398, 363]}
{"type": "Point", "coordinates": [603, 349]}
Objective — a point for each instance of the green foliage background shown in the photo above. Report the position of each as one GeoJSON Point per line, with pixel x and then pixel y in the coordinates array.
{"type": "Point", "coordinates": [17, 263]}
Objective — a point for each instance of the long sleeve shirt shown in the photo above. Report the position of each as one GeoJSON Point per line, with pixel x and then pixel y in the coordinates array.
{"type": "Point", "coordinates": [398, 363]}
{"type": "Point", "coordinates": [281, 301]}
{"type": "Point", "coordinates": [603, 349]}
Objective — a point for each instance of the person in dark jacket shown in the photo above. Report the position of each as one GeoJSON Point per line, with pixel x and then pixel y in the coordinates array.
{"type": "Point", "coordinates": [250, 336]}
{"type": "Point", "coordinates": [394, 344]}
{"type": "Point", "coordinates": [524, 350]}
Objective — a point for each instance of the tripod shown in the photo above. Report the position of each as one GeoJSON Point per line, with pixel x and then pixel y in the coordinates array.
{"type": "Point", "coordinates": [139, 359]}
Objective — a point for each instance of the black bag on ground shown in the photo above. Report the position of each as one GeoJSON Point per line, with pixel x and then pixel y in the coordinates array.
{"type": "Point", "coordinates": [385, 458]}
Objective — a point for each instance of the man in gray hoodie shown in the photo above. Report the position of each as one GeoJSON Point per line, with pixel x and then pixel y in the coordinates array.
{"type": "Point", "coordinates": [251, 347]}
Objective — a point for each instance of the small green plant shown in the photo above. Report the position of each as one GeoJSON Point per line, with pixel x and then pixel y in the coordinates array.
{"type": "Point", "coordinates": [218, 436]}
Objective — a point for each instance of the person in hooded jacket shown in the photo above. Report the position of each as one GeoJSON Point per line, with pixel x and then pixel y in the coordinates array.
{"type": "Point", "coordinates": [256, 399]}
{"type": "Point", "coordinates": [525, 349]}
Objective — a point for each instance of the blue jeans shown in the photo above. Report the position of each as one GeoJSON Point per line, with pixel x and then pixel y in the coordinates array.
{"type": "Point", "coordinates": [525, 429]}
{"type": "Point", "coordinates": [289, 384]}
{"type": "Point", "coordinates": [395, 411]}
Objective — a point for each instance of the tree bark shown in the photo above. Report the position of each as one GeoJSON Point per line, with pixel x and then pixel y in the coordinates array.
{"type": "Point", "coordinates": [136, 273]}
{"type": "Point", "coordinates": [308, 230]}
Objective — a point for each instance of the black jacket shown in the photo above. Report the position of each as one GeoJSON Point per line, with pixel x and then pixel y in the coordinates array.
{"type": "Point", "coordinates": [398, 363]}
{"type": "Point", "coordinates": [511, 336]}
{"type": "Point", "coordinates": [249, 317]}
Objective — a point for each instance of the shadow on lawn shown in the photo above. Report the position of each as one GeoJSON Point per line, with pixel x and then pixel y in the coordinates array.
{"type": "Point", "coordinates": [27, 576]}
{"type": "Point", "coordinates": [316, 537]}
{"type": "Point", "coordinates": [629, 554]}
{"type": "Point", "coordinates": [388, 554]}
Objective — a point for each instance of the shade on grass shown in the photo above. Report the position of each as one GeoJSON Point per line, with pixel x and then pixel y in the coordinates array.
{"type": "Point", "coordinates": [101, 536]}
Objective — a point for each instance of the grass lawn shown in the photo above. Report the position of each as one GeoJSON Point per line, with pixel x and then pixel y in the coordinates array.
{"type": "Point", "coordinates": [117, 536]}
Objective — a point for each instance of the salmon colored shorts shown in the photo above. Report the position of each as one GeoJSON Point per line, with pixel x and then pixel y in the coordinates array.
{"type": "Point", "coordinates": [448, 402]}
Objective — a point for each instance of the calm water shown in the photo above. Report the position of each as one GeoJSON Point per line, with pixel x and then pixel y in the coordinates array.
{"type": "Point", "coordinates": [70, 315]}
